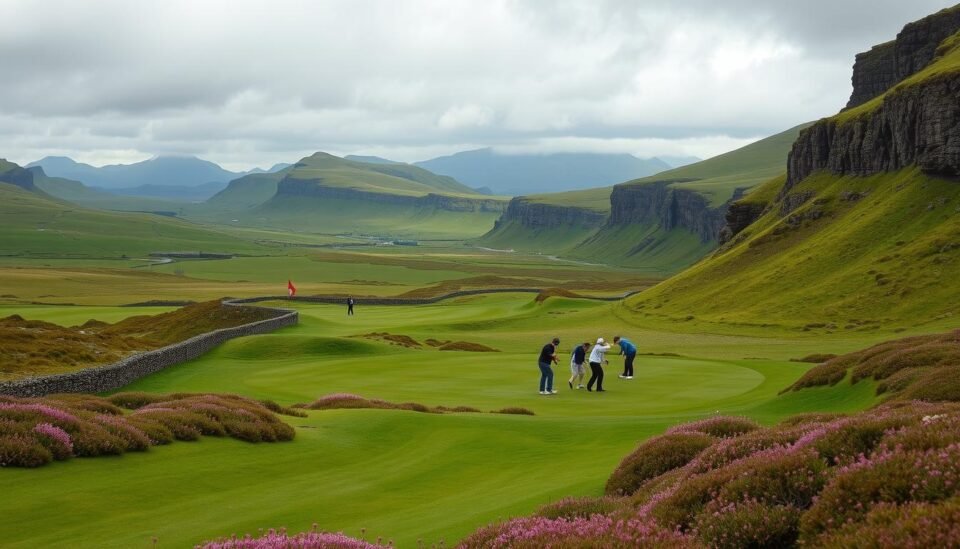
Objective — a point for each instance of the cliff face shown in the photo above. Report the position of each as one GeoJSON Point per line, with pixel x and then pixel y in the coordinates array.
{"type": "Point", "coordinates": [315, 188]}
{"type": "Point", "coordinates": [535, 215]}
{"type": "Point", "coordinates": [671, 208]}
{"type": "Point", "coordinates": [20, 177]}
{"type": "Point", "coordinates": [918, 125]}
{"type": "Point", "coordinates": [877, 70]}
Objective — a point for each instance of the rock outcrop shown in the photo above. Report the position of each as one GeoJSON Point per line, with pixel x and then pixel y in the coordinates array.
{"type": "Point", "coordinates": [916, 124]}
{"type": "Point", "coordinates": [667, 206]}
{"type": "Point", "coordinates": [315, 188]}
{"type": "Point", "coordinates": [537, 215]}
{"type": "Point", "coordinates": [877, 70]}
{"type": "Point", "coordinates": [20, 177]}
{"type": "Point", "coordinates": [739, 216]}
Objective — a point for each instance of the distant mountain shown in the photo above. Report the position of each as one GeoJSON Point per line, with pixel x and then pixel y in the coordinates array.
{"type": "Point", "coordinates": [147, 177]}
{"type": "Point", "coordinates": [369, 159]}
{"type": "Point", "coordinates": [510, 174]}
{"type": "Point", "coordinates": [679, 161]}
{"type": "Point", "coordinates": [185, 193]}
{"type": "Point", "coordinates": [184, 171]}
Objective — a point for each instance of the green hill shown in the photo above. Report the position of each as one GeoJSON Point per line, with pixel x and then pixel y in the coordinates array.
{"type": "Point", "coordinates": [78, 193]}
{"type": "Point", "coordinates": [326, 194]}
{"type": "Point", "coordinates": [37, 225]}
{"type": "Point", "coordinates": [660, 224]}
{"type": "Point", "coordinates": [855, 237]}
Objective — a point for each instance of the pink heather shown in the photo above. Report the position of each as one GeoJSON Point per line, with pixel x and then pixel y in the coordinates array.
{"type": "Point", "coordinates": [55, 433]}
{"type": "Point", "coordinates": [49, 411]}
{"type": "Point", "coordinates": [281, 540]}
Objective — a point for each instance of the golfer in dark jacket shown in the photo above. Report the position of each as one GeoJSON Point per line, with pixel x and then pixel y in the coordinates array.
{"type": "Point", "coordinates": [349, 306]}
{"type": "Point", "coordinates": [578, 364]}
{"type": "Point", "coordinates": [548, 355]}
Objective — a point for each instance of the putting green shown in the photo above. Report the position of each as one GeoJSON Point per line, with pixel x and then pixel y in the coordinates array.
{"type": "Point", "coordinates": [403, 475]}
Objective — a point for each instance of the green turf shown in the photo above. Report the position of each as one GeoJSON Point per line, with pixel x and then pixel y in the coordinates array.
{"type": "Point", "coordinates": [403, 475]}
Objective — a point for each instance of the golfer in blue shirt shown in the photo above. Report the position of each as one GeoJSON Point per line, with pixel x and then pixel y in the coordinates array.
{"type": "Point", "coordinates": [629, 351]}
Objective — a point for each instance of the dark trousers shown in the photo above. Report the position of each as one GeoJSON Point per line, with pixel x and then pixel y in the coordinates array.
{"type": "Point", "coordinates": [628, 365]}
{"type": "Point", "coordinates": [546, 376]}
{"type": "Point", "coordinates": [349, 309]}
{"type": "Point", "coordinates": [596, 372]}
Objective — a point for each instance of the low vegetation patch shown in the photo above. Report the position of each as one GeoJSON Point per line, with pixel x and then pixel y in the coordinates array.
{"type": "Point", "coordinates": [36, 431]}
{"type": "Point", "coordinates": [280, 539]}
{"type": "Point", "coordinates": [816, 358]}
{"type": "Point", "coordinates": [31, 347]}
{"type": "Point", "coordinates": [887, 477]}
{"type": "Point", "coordinates": [393, 339]}
{"type": "Point", "coordinates": [915, 368]}
{"type": "Point", "coordinates": [547, 293]}
{"type": "Point", "coordinates": [467, 346]}
{"type": "Point", "coordinates": [340, 401]}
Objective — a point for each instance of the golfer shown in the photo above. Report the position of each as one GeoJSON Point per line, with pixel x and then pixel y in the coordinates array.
{"type": "Point", "coordinates": [629, 351]}
{"type": "Point", "coordinates": [578, 364]}
{"type": "Point", "coordinates": [596, 365]}
{"type": "Point", "coordinates": [548, 355]}
{"type": "Point", "coordinates": [350, 306]}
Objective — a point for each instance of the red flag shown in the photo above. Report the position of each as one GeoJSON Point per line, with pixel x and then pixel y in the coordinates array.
{"type": "Point", "coordinates": [291, 289]}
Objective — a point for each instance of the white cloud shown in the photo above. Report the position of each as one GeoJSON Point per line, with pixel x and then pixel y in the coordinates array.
{"type": "Point", "coordinates": [256, 82]}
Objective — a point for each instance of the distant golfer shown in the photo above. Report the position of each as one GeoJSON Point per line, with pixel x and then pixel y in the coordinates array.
{"type": "Point", "coordinates": [597, 359]}
{"type": "Point", "coordinates": [548, 355]}
{"type": "Point", "coordinates": [578, 364]}
{"type": "Point", "coordinates": [350, 306]}
{"type": "Point", "coordinates": [629, 351]}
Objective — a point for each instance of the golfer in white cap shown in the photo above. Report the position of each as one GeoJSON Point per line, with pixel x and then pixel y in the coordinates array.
{"type": "Point", "coordinates": [596, 361]}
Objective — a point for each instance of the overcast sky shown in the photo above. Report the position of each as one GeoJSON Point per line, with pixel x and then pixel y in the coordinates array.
{"type": "Point", "coordinates": [247, 83]}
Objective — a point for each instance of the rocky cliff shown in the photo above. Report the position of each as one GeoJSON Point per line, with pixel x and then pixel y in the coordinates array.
{"type": "Point", "coordinates": [669, 207]}
{"type": "Point", "coordinates": [877, 70]}
{"type": "Point", "coordinates": [20, 177]}
{"type": "Point", "coordinates": [315, 188]}
{"type": "Point", "coordinates": [917, 123]}
{"type": "Point", "coordinates": [537, 215]}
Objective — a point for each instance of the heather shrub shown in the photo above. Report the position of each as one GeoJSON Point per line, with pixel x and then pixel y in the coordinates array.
{"type": "Point", "coordinates": [89, 403]}
{"type": "Point", "coordinates": [279, 539]}
{"type": "Point", "coordinates": [830, 372]}
{"type": "Point", "coordinates": [19, 450]}
{"type": "Point", "coordinates": [277, 409]}
{"type": "Point", "coordinates": [157, 432]}
{"type": "Point", "coordinates": [936, 384]}
{"type": "Point", "coordinates": [933, 431]}
{"type": "Point", "coordinates": [515, 410]}
{"type": "Point", "coordinates": [595, 531]}
{"type": "Point", "coordinates": [808, 418]}
{"type": "Point", "coordinates": [583, 507]}
{"type": "Point", "coordinates": [54, 439]}
{"type": "Point", "coordinates": [718, 426]}
{"type": "Point", "coordinates": [748, 524]}
{"type": "Point", "coordinates": [729, 450]}
{"type": "Point", "coordinates": [655, 457]}
{"type": "Point", "coordinates": [896, 476]}
{"type": "Point", "coordinates": [910, 526]}
{"type": "Point", "coordinates": [847, 439]}
{"type": "Point", "coordinates": [135, 439]}
{"type": "Point", "coordinates": [885, 364]}
{"type": "Point", "coordinates": [94, 440]}
{"type": "Point", "coordinates": [458, 409]}
{"type": "Point", "coordinates": [780, 475]}
{"type": "Point", "coordinates": [899, 381]}
{"type": "Point", "coordinates": [815, 358]}
{"type": "Point", "coordinates": [134, 399]}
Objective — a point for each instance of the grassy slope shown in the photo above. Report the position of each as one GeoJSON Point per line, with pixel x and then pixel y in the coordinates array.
{"type": "Point", "coordinates": [78, 193]}
{"type": "Point", "coordinates": [391, 472]}
{"type": "Point", "coordinates": [649, 247]}
{"type": "Point", "coordinates": [37, 226]}
{"type": "Point", "coordinates": [889, 259]}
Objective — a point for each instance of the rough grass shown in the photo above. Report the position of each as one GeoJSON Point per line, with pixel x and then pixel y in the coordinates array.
{"type": "Point", "coordinates": [31, 347]}
{"type": "Point", "coordinates": [341, 401]}
{"type": "Point", "coordinates": [913, 368]}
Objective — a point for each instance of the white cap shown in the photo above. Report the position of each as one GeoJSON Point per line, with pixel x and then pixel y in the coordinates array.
{"type": "Point", "coordinates": [600, 341]}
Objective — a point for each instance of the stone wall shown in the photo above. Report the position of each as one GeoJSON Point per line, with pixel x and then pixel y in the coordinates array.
{"type": "Point", "coordinates": [126, 371]}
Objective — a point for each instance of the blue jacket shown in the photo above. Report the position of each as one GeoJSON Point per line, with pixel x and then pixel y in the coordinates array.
{"type": "Point", "coordinates": [627, 348]}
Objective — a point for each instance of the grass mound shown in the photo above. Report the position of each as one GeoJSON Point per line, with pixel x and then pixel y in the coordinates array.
{"type": "Point", "coordinates": [339, 401]}
{"type": "Point", "coordinates": [394, 339]}
{"type": "Point", "coordinates": [34, 432]}
{"type": "Point", "coordinates": [547, 293]}
{"type": "Point", "coordinates": [890, 476]}
{"type": "Point", "coordinates": [467, 346]}
{"type": "Point", "coordinates": [31, 348]}
{"type": "Point", "coordinates": [913, 368]}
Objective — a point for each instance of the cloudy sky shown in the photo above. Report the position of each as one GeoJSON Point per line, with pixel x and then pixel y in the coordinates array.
{"type": "Point", "coordinates": [248, 83]}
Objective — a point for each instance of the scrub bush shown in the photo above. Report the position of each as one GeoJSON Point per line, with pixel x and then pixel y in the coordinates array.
{"type": "Point", "coordinates": [655, 457]}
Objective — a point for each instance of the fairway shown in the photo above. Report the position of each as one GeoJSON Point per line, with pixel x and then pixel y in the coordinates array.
{"type": "Point", "coordinates": [391, 472]}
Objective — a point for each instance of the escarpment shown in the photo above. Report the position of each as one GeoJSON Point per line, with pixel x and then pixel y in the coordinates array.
{"type": "Point", "coordinates": [877, 70]}
{"type": "Point", "coordinates": [20, 177]}
{"type": "Point", "coordinates": [290, 186]}
{"type": "Point", "coordinates": [666, 206]}
{"type": "Point", "coordinates": [538, 215]}
{"type": "Point", "coordinates": [915, 123]}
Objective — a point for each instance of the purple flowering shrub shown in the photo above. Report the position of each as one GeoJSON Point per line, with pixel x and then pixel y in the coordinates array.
{"type": "Point", "coordinates": [655, 457]}
{"type": "Point", "coordinates": [886, 477]}
{"type": "Point", "coordinates": [340, 401]}
{"type": "Point", "coordinates": [717, 426]}
{"type": "Point", "coordinates": [279, 539]}
{"type": "Point", "coordinates": [36, 431]}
